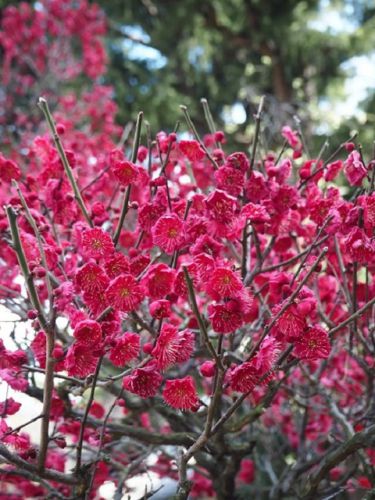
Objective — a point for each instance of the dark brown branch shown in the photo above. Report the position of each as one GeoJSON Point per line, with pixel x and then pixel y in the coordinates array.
{"type": "Point", "coordinates": [363, 439]}
{"type": "Point", "coordinates": [45, 474]}
{"type": "Point", "coordinates": [85, 416]}
{"type": "Point", "coordinates": [352, 317]}
{"type": "Point", "coordinates": [144, 435]}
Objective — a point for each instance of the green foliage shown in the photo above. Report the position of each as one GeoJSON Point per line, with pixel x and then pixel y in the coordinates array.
{"type": "Point", "coordinates": [230, 51]}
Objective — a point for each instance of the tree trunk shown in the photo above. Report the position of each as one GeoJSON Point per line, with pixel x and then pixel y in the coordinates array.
{"type": "Point", "coordinates": [281, 87]}
{"type": "Point", "coordinates": [225, 477]}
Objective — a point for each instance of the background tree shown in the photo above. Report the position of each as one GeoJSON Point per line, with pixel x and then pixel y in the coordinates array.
{"type": "Point", "coordinates": [231, 52]}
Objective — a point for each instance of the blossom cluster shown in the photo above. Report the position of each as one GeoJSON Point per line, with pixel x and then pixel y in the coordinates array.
{"type": "Point", "coordinates": [212, 293]}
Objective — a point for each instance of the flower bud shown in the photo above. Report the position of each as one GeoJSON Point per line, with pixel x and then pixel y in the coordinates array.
{"type": "Point", "coordinates": [304, 307]}
{"type": "Point", "coordinates": [60, 441]}
{"type": "Point", "coordinates": [60, 128]}
{"type": "Point", "coordinates": [133, 252]}
{"type": "Point", "coordinates": [207, 369]}
{"type": "Point", "coordinates": [297, 154]}
{"type": "Point", "coordinates": [147, 348]}
{"type": "Point", "coordinates": [39, 272]}
{"type": "Point", "coordinates": [142, 153]}
{"type": "Point", "coordinates": [58, 352]}
{"type": "Point", "coordinates": [219, 136]}
{"type": "Point", "coordinates": [36, 325]}
{"type": "Point", "coordinates": [32, 314]}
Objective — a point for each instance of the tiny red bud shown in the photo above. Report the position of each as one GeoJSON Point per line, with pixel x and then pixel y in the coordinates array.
{"type": "Point", "coordinates": [218, 155]}
{"type": "Point", "coordinates": [304, 174]}
{"type": "Point", "coordinates": [349, 146]}
{"type": "Point", "coordinates": [147, 348]}
{"type": "Point", "coordinates": [40, 272]}
{"type": "Point", "coordinates": [142, 153]}
{"type": "Point", "coordinates": [31, 453]}
{"type": "Point", "coordinates": [32, 314]}
{"type": "Point", "coordinates": [272, 171]}
{"type": "Point", "coordinates": [32, 265]}
{"type": "Point", "coordinates": [172, 137]}
{"type": "Point", "coordinates": [196, 407]}
{"type": "Point", "coordinates": [32, 197]}
{"type": "Point", "coordinates": [219, 136]}
{"type": "Point", "coordinates": [60, 128]}
{"type": "Point", "coordinates": [71, 158]}
{"type": "Point", "coordinates": [133, 252]}
{"type": "Point", "coordinates": [60, 441]}
{"type": "Point", "coordinates": [207, 369]}
{"type": "Point", "coordinates": [36, 325]}
{"type": "Point", "coordinates": [159, 181]}
{"type": "Point", "coordinates": [58, 352]}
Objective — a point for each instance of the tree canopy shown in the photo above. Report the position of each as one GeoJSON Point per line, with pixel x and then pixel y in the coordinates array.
{"type": "Point", "coordinates": [231, 51]}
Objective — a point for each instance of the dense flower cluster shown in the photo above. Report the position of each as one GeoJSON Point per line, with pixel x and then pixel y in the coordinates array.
{"type": "Point", "coordinates": [212, 294]}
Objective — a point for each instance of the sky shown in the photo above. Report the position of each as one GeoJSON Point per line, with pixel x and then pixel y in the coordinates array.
{"type": "Point", "coordinates": [360, 70]}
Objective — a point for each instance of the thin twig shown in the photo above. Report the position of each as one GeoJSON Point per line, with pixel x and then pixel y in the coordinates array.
{"type": "Point", "coordinates": [328, 160]}
{"type": "Point", "coordinates": [16, 429]}
{"type": "Point", "coordinates": [101, 440]}
{"type": "Point", "coordinates": [125, 203]}
{"type": "Point", "coordinates": [185, 485]}
{"type": "Point", "coordinates": [352, 317]}
{"type": "Point", "coordinates": [258, 118]}
{"type": "Point", "coordinates": [50, 474]}
{"type": "Point", "coordinates": [38, 236]}
{"type": "Point", "coordinates": [342, 271]}
{"type": "Point", "coordinates": [288, 303]}
{"type": "Point", "coordinates": [197, 136]}
{"type": "Point", "coordinates": [202, 326]}
{"type": "Point", "coordinates": [18, 248]}
{"type": "Point", "coordinates": [209, 120]}
{"type": "Point", "coordinates": [49, 331]}
{"type": "Point", "coordinates": [85, 416]}
{"type": "Point", "coordinates": [43, 105]}
{"type": "Point", "coordinates": [305, 257]}
{"type": "Point", "coordinates": [363, 439]}
{"type": "Point", "coordinates": [297, 121]}
{"type": "Point", "coordinates": [73, 380]}
{"type": "Point", "coordinates": [285, 263]}
{"type": "Point", "coordinates": [164, 163]}
{"type": "Point", "coordinates": [240, 400]}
